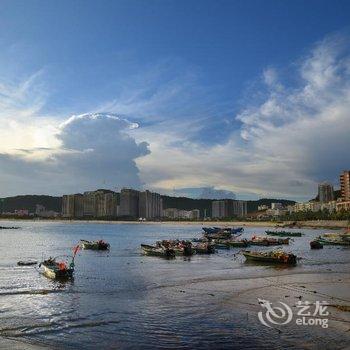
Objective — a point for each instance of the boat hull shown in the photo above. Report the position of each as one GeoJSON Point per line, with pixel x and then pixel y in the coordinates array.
{"type": "Point", "coordinates": [269, 259]}
{"type": "Point", "coordinates": [154, 251]}
{"type": "Point", "coordinates": [57, 274]}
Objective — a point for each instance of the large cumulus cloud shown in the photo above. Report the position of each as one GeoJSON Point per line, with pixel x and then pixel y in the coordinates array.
{"type": "Point", "coordinates": [95, 151]}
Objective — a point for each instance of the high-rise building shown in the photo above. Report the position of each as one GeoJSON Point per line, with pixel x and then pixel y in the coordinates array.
{"type": "Point", "coordinates": [150, 205]}
{"type": "Point", "coordinates": [218, 209]}
{"type": "Point", "coordinates": [325, 192]}
{"type": "Point", "coordinates": [68, 206]}
{"type": "Point", "coordinates": [129, 203]}
{"type": "Point", "coordinates": [72, 205]}
{"type": "Point", "coordinates": [229, 208]}
{"type": "Point", "coordinates": [345, 185]}
{"type": "Point", "coordinates": [89, 204]}
{"type": "Point", "coordinates": [78, 205]}
{"type": "Point", "coordinates": [240, 208]}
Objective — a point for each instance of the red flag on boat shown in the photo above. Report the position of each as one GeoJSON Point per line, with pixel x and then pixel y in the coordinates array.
{"type": "Point", "coordinates": [75, 250]}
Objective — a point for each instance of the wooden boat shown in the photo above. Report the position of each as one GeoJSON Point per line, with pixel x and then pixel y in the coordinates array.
{"type": "Point", "coordinates": [333, 241]}
{"type": "Point", "coordinates": [316, 245]}
{"type": "Point", "coordinates": [238, 243]}
{"type": "Point", "coordinates": [204, 248]}
{"type": "Point", "coordinates": [94, 245]}
{"type": "Point", "coordinates": [59, 269]}
{"type": "Point", "coordinates": [157, 251]}
{"type": "Point", "coordinates": [278, 257]}
{"type": "Point", "coordinates": [223, 231]}
{"type": "Point", "coordinates": [342, 239]}
{"type": "Point", "coordinates": [284, 233]}
{"type": "Point", "coordinates": [27, 262]}
{"type": "Point", "coordinates": [180, 247]}
{"type": "Point", "coordinates": [221, 245]}
{"type": "Point", "coordinates": [268, 241]}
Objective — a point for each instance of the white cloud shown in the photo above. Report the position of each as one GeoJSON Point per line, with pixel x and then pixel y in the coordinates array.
{"type": "Point", "coordinates": [94, 150]}
{"type": "Point", "coordinates": [296, 137]}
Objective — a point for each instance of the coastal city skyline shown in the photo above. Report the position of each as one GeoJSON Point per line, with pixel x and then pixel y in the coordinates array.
{"type": "Point", "coordinates": [227, 105]}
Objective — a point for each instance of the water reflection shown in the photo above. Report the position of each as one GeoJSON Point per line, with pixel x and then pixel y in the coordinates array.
{"type": "Point", "coordinates": [127, 300]}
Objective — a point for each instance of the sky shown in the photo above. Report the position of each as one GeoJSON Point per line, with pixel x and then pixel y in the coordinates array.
{"type": "Point", "coordinates": [249, 99]}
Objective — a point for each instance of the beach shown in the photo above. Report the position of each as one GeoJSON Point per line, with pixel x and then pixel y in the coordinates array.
{"type": "Point", "coordinates": [123, 299]}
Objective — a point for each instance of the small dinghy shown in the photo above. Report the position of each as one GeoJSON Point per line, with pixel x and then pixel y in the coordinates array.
{"type": "Point", "coordinates": [284, 233]}
{"type": "Point", "coordinates": [204, 248]}
{"type": "Point", "coordinates": [316, 245]}
{"type": "Point", "coordinates": [267, 241]}
{"type": "Point", "coordinates": [26, 262]}
{"type": "Point", "coordinates": [95, 245]}
{"type": "Point", "coordinates": [59, 269]}
{"type": "Point", "coordinates": [158, 251]}
{"type": "Point", "coordinates": [277, 256]}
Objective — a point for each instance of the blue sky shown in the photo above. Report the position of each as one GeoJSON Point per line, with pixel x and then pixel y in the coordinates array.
{"type": "Point", "coordinates": [196, 76]}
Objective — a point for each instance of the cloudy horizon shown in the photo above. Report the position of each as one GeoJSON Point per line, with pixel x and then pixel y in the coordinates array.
{"type": "Point", "coordinates": [174, 122]}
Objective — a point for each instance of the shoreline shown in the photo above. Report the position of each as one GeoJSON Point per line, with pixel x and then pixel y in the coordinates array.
{"type": "Point", "coordinates": [320, 224]}
{"type": "Point", "coordinates": [237, 297]}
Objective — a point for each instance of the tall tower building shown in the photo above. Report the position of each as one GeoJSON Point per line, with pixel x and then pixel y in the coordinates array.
{"type": "Point", "coordinates": [325, 192]}
{"type": "Point", "coordinates": [345, 185]}
{"type": "Point", "coordinates": [129, 203]}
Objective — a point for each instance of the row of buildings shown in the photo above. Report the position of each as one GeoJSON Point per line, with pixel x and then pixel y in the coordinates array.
{"type": "Point", "coordinates": [324, 201]}
{"type": "Point", "coordinates": [174, 213]}
{"type": "Point", "coordinates": [228, 208]}
{"type": "Point", "coordinates": [108, 204]}
{"type": "Point", "coordinates": [133, 204]}
{"type": "Point", "coordinates": [326, 198]}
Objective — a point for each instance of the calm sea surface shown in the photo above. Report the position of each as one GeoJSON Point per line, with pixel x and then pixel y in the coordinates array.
{"type": "Point", "coordinates": [121, 299]}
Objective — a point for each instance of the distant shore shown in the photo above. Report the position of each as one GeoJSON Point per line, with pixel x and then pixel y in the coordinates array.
{"type": "Point", "coordinates": [327, 224]}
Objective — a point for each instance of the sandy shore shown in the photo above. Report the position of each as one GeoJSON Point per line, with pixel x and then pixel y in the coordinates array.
{"type": "Point", "coordinates": [243, 294]}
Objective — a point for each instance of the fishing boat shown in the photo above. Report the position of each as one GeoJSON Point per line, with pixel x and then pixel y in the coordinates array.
{"type": "Point", "coordinates": [218, 235]}
{"type": "Point", "coordinates": [200, 240]}
{"type": "Point", "coordinates": [279, 257]}
{"type": "Point", "coordinates": [26, 262]}
{"type": "Point", "coordinates": [221, 244]}
{"type": "Point", "coordinates": [238, 243]}
{"type": "Point", "coordinates": [157, 251]}
{"type": "Point", "coordinates": [284, 233]}
{"type": "Point", "coordinates": [94, 245]}
{"type": "Point", "coordinates": [222, 230]}
{"type": "Point", "coordinates": [342, 239]}
{"type": "Point", "coordinates": [316, 245]}
{"type": "Point", "coordinates": [267, 241]}
{"type": "Point", "coordinates": [211, 230]}
{"type": "Point", "coordinates": [204, 248]}
{"type": "Point", "coordinates": [333, 241]}
{"type": "Point", "coordinates": [180, 247]}
{"type": "Point", "coordinates": [55, 269]}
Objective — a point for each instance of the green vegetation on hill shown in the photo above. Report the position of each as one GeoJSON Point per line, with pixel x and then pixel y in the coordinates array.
{"type": "Point", "coordinates": [252, 206]}
{"type": "Point", "coordinates": [185, 203]}
{"type": "Point", "coordinates": [202, 204]}
{"type": "Point", "coordinates": [29, 202]}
